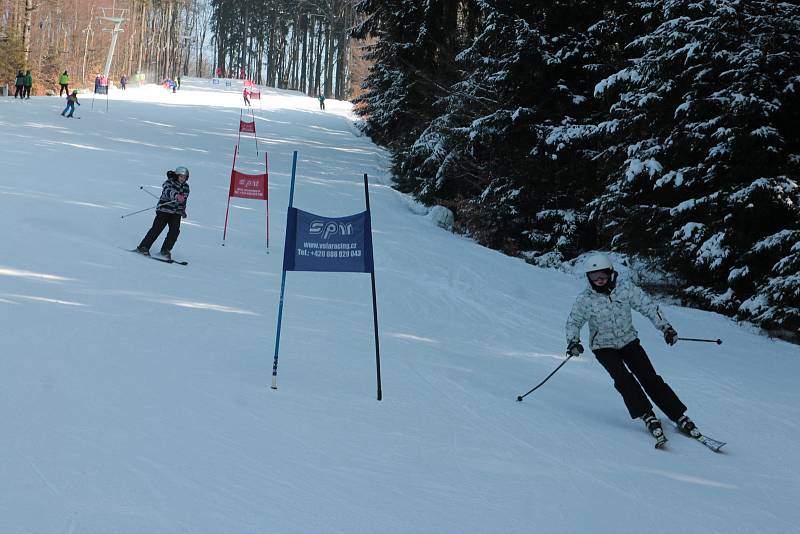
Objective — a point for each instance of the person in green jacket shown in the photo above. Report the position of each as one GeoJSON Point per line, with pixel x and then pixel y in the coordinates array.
{"type": "Point", "coordinates": [63, 80]}
{"type": "Point", "coordinates": [28, 83]}
{"type": "Point", "coordinates": [19, 86]}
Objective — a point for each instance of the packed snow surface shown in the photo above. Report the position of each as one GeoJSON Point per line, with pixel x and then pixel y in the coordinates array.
{"type": "Point", "coordinates": [135, 398]}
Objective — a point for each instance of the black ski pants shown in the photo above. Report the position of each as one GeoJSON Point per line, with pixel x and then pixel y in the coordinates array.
{"type": "Point", "coordinates": [162, 220]}
{"type": "Point", "coordinates": [634, 375]}
{"type": "Point", "coordinates": [64, 89]}
{"type": "Point", "coordinates": [19, 91]}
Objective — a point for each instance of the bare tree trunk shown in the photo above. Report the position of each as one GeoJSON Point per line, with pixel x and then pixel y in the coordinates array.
{"type": "Point", "coordinates": [320, 44]}
{"type": "Point", "coordinates": [141, 39]}
{"type": "Point", "coordinates": [304, 56]}
{"type": "Point", "coordinates": [168, 29]}
{"type": "Point", "coordinates": [26, 32]}
{"type": "Point", "coordinates": [328, 61]}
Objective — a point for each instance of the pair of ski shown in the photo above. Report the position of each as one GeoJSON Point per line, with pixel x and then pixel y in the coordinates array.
{"type": "Point", "coordinates": [714, 445]}
{"type": "Point", "coordinates": [165, 260]}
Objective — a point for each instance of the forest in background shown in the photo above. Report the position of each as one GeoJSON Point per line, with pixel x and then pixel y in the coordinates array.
{"type": "Point", "coordinates": [291, 44]}
{"type": "Point", "coordinates": [665, 130]}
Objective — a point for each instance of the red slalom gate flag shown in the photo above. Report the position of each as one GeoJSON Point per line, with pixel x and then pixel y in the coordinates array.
{"type": "Point", "coordinates": [253, 186]}
{"type": "Point", "coordinates": [248, 186]}
{"type": "Point", "coordinates": [255, 95]}
{"type": "Point", "coordinates": [247, 127]}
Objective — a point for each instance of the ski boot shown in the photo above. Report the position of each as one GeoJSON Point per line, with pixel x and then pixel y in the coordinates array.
{"type": "Point", "coordinates": [141, 250]}
{"type": "Point", "coordinates": [654, 427]}
{"type": "Point", "coordinates": [688, 427]}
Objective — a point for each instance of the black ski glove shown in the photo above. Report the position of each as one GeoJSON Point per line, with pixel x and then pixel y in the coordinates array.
{"type": "Point", "coordinates": [574, 348]}
{"type": "Point", "coordinates": [670, 335]}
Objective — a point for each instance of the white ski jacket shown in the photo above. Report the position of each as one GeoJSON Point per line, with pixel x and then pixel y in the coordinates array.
{"type": "Point", "coordinates": [609, 316]}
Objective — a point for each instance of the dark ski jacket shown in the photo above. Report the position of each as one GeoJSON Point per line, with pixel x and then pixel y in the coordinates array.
{"type": "Point", "coordinates": [174, 195]}
{"type": "Point", "coordinates": [20, 81]}
{"type": "Point", "coordinates": [28, 79]}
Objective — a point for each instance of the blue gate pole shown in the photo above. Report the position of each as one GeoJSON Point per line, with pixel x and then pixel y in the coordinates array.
{"type": "Point", "coordinates": [374, 301]}
{"type": "Point", "coordinates": [283, 285]}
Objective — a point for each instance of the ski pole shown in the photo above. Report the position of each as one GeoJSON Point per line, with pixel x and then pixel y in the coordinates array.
{"type": "Point", "coordinates": [140, 211]}
{"type": "Point", "coordinates": [520, 397]}
{"type": "Point", "coordinates": [717, 341]}
{"type": "Point", "coordinates": [147, 209]}
{"type": "Point", "coordinates": [149, 193]}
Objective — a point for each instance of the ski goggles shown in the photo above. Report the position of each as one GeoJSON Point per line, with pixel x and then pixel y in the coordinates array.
{"type": "Point", "coordinates": [596, 276]}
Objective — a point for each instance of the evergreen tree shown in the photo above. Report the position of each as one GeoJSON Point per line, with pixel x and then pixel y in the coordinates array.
{"type": "Point", "coordinates": [410, 61]}
{"type": "Point", "coordinates": [706, 159]}
{"type": "Point", "coordinates": [503, 152]}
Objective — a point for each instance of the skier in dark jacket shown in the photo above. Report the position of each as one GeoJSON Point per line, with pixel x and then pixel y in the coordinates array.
{"type": "Point", "coordinates": [19, 85]}
{"type": "Point", "coordinates": [606, 306]}
{"type": "Point", "coordinates": [28, 84]}
{"type": "Point", "coordinates": [171, 208]}
{"type": "Point", "coordinates": [72, 99]}
{"type": "Point", "coordinates": [321, 99]}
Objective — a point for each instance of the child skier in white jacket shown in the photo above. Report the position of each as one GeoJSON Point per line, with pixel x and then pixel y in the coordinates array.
{"type": "Point", "coordinates": [606, 306]}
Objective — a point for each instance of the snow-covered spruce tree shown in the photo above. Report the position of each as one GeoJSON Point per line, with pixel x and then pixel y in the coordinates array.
{"type": "Point", "coordinates": [508, 151]}
{"type": "Point", "coordinates": [410, 58]}
{"type": "Point", "coordinates": [707, 115]}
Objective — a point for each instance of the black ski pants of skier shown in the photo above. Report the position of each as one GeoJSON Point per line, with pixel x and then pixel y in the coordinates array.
{"type": "Point", "coordinates": [632, 371]}
{"type": "Point", "coordinates": [64, 89]}
{"type": "Point", "coordinates": [19, 91]}
{"type": "Point", "coordinates": [162, 220]}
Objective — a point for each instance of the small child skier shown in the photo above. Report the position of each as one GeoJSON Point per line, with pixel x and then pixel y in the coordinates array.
{"type": "Point", "coordinates": [171, 208]}
{"type": "Point", "coordinates": [72, 99]}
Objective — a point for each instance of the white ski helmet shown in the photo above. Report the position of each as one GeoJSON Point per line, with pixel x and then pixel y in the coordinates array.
{"type": "Point", "coordinates": [183, 171]}
{"type": "Point", "coordinates": [597, 262]}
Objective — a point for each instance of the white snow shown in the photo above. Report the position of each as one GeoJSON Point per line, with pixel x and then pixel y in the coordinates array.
{"type": "Point", "coordinates": [134, 395]}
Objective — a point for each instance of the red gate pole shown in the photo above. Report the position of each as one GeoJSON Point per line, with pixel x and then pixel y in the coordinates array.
{"type": "Point", "coordinates": [233, 166]}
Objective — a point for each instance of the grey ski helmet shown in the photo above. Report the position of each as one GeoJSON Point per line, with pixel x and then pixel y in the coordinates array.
{"type": "Point", "coordinates": [596, 262]}
{"type": "Point", "coordinates": [600, 262]}
{"type": "Point", "coordinates": [182, 171]}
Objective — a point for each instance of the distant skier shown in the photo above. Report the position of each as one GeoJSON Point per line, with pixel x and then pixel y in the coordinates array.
{"type": "Point", "coordinates": [19, 86]}
{"type": "Point", "coordinates": [123, 81]}
{"type": "Point", "coordinates": [171, 208]}
{"type": "Point", "coordinates": [28, 84]}
{"type": "Point", "coordinates": [321, 102]}
{"type": "Point", "coordinates": [72, 99]}
{"type": "Point", "coordinates": [63, 81]}
{"type": "Point", "coordinates": [606, 306]}
{"type": "Point", "coordinates": [246, 95]}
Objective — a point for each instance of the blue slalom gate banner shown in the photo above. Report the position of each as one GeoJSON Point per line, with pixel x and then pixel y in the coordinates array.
{"type": "Point", "coordinates": [328, 244]}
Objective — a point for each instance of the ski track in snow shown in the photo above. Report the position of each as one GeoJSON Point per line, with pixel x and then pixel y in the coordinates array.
{"type": "Point", "coordinates": [135, 395]}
